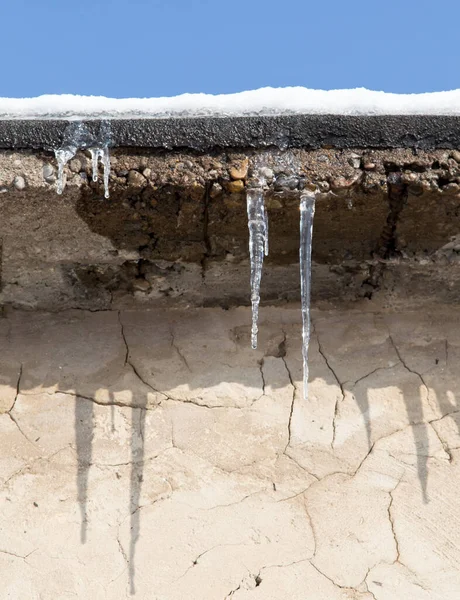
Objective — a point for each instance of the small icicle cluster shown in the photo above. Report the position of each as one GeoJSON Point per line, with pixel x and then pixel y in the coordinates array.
{"type": "Point", "coordinates": [258, 247]}
{"type": "Point", "coordinates": [78, 137]}
{"type": "Point", "coordinates": [307, 213]}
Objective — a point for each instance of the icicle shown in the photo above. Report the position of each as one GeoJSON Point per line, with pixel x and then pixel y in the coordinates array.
{"type": "Point", "coordinates": [106, 162]}
{"type": "Point", "coordinates": [94, 160]}
{"type": "Point", "coordinates": [63, 155]}
{"type": "Point", "coordinates": [307, 212]}
{"type": "Point", "coordinates": [266, 230]}
{"type": "Point", "coordinates": [258, 246]}
{"type": "Point", "coordinates": [104, 137]}
{"type": "Point", "coordinates": [103, 154]}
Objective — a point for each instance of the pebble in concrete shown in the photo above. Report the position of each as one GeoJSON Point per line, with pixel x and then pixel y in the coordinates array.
{"type": "Point", "coordinates": [48, 173]}
{"type": "Point", "coordinates": [19, 183]}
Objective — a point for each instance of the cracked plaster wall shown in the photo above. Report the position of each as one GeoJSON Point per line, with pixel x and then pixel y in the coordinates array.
{"type": "Point", "coordinates": [153, 454]}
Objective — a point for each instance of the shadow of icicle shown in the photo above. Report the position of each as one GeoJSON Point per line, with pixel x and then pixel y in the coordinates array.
{"type": "Point", "coordinates": [84, 437]}
{"type": "Point", "coordinates": [136, 478]}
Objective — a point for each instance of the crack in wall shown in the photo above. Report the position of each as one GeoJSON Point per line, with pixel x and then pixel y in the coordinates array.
{"type": "Point", "coordinates": [419, 375]}
{"type": "Point", "coordinates": [197, 559]}
{"type": "Point", "coordinates": [454, 412]}
{"type": "Point", "coordinates": [18, 384]}
{"type": "Point", "coordinates": [285, 453]}
{"type": "Point", "coordinates": [404, 364]}
{"type": "Point", "coordinates": [392, 522]}
{"type": "Point", "coordinates": [376, 370]}
{"type": "Point", "coordinates": [131, 364]}
{"type": "Point", "coordinates": [366, 585]}
{"type": "Point", "coordinates": [444, 444]}
{"type": "Point", "coordinates": [339, 383]}
{"type": "Point", "coordinates": [364, 582]}
{"type": "Point", "coordinates": [234, 590]}
{"type": "Point", "coordinates": [301, 493]}
{"type": "Point", "coordinates": [10, 411]}
{"type": "Point", "coordinates": [125, 558]}
{"type": "Point", "coordinates": [397, 198]}
{"type": "Point", "coordinates": [113, 402]}
{"type": "Point", "coordinates": [312, 527]}
{"type": "Point", "coordinates": [334, 583]}
{"type": "Point", "coordinates": [387, 243]}
{"type": "Point", "coordinates": [20, 556]}
{"type": "Point", "coordinates": [178, 351]}
{"type": "Point", "coordinates": [26, 468]}
{"type": "Point", "coordinates": [262, 376]}
{"type": "Point", "coordinates": [291, 380]}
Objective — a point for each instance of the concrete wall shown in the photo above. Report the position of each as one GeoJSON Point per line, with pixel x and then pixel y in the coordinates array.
{"type": "Point", "coordinates": [154, 455]}
{"type": "Point", "coordinates": [146, 451]}
{"type": "Point", "coordinates": [174, 230]}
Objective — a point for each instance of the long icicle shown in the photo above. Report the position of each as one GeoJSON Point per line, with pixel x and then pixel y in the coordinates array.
{"type": "Point", "coordinates": [307, 213]}
{"type": "Point", "coordinates": [258, 246]}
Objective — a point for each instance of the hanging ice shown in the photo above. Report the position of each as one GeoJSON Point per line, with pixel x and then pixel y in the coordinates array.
{"type": "Point", "coordinates": [63, 155]}
{"type": "Point", "coordinates": [103, 154]}
{"type": "Point", "coordinates": [77, 136]}
{"type": "Point", "coordinates": [104, 141]}
{"type": "Point", "coordinates": [258, 246]}
{"type": "Point", "coordinates": [94, 161]}
{"type": "Point", "coordinates": [106, 164]}
{"type": "Point", "coordinates": [266, 230]}
{"type": "Point", "coordinates": [307, 212]}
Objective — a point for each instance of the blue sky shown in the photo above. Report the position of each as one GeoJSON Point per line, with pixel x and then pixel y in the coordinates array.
{"type": "Point", "coordinates": [160, 48]}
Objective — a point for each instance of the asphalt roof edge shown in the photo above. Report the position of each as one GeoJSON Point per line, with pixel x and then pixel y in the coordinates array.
{"type": "Point", "coordinates": [203, 134]}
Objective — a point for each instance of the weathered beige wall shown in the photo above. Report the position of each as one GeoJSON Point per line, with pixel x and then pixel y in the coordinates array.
{"type": "Point", "coordinates": [154, 452]}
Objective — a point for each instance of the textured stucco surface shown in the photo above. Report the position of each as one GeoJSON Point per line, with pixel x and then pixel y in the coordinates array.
{"type": "Point", "coordinates": [284, 131]}
{"type": "Point", "coordinates": [154, 452]}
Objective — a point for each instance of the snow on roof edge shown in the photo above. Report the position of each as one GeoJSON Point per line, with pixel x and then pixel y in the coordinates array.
{"type": "Point", "coordinates": [261, 102]}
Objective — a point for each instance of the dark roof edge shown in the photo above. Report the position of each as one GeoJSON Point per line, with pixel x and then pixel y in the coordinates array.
{"type": "Point", "coordinates": [288, 131]}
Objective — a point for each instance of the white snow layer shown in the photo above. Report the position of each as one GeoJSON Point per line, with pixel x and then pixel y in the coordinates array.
{"type": "Point", "coordinates": [265, 101]}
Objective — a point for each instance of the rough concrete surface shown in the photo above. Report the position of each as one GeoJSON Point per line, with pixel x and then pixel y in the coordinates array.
{"type": "Point", "coordinates": [154, 453]}
{"type": "Point", "coordinates": [282, 131]}
{"type": "Point", "coordinates": [174, 230]}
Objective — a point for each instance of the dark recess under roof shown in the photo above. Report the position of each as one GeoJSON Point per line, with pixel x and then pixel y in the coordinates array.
{"type": "Point", "coordinates": [296, 131]}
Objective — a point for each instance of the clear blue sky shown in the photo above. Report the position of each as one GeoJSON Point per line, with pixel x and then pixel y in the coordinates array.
{"type": "Point", "coordinates": [166, 47]}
